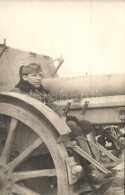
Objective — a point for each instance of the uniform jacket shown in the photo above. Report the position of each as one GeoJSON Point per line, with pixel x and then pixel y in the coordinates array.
{"type": "Point", "coordinates": [40, 94]}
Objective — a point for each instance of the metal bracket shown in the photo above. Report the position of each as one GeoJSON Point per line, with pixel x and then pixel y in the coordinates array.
{"type": "Point", "coordinates": [109, 154]}
{"type": "Point", "coordinates": [90, 159]}
{"type": "Point", "coordinates": [105, 151]}
{"type": "Point", "coordinates": [60, 61]}
{"type": "Point", "coordinates": [4, 47]}
{"type": "Point", "coordinates": [70, 162]}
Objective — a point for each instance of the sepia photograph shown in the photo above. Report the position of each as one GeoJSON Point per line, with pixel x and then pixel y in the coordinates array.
{"type": "Point", "coordinates": [62, 97]}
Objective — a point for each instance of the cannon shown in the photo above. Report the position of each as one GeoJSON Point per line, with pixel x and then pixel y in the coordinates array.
{"type": "Point", "coordinates": [36, 153]}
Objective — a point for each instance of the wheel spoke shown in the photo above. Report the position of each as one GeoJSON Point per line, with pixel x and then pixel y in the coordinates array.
{"type": "Point", "coordinates": [25, 154]}
{"type": "Point", "coordinates": [22, 190]}
{"type": "Point", "coordinates": [5, 156]}
{"type": "Point", "coordinates": [17, 176]}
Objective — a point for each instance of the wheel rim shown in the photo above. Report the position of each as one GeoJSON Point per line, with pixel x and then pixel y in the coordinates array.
{"type": "Point", "coordinates": [9, 177]}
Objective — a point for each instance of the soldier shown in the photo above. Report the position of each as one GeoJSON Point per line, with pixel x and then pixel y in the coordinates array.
{"type": "Point", "coordinates": [31, 83]}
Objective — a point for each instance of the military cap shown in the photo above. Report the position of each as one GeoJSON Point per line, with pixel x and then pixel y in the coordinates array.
{"type": "Point", "coordinates": [32, 68]}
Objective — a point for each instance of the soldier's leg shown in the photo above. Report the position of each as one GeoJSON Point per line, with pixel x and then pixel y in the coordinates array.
{"type": "Point", "coordinates": [89, 132]}
{"type": "Point", "coordinates": [77, 133]}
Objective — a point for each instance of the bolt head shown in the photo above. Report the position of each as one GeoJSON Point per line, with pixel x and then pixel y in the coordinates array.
{"type": "Point", "coordinates": [76, 169]}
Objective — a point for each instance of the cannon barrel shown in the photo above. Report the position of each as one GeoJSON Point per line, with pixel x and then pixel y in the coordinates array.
{"type": "Point", "coordinates": [86, 86]}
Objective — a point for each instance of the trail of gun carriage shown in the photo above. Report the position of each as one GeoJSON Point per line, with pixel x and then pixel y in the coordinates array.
{"type": "Point", "coordinates": [38, 154]}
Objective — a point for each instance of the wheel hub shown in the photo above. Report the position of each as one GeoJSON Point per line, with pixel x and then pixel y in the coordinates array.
{"type": "Point", "coordinates": [5, 180]}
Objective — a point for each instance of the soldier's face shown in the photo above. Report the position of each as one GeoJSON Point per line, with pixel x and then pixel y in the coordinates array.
{"type": "Point", "coordinates": [34, 79]}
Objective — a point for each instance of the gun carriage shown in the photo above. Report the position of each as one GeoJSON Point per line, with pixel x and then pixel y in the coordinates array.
{"type": "Point", "coordinates": [35, 147]}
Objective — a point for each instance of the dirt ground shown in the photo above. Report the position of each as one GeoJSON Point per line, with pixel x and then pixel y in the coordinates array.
{"type": "Point", "coordinates": [118, 185]}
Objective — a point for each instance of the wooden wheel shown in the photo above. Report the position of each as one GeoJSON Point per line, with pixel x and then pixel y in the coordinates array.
{"type": "Point", "coordinates": [25, 133]}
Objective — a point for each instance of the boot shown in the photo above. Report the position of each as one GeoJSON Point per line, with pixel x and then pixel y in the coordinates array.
{"type": "Point", "coordinates": [95, 176]}
{"type": "Point", "coordinates": [93, 147]}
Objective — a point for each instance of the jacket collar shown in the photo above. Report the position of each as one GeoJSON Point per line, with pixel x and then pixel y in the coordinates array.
{"type": "Point", "coordinates": [27, 87]}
